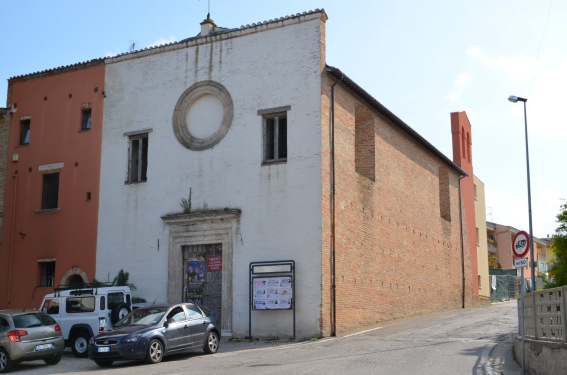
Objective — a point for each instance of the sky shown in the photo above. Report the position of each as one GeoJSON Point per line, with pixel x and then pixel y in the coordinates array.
{"type": "Point", "coordinates": [420, 59]}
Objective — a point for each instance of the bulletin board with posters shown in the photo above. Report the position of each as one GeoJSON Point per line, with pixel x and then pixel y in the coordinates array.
{"type": "Point", "coordinates": [272, 293]}
{"type": "Point", "coordinates": [272, 287]}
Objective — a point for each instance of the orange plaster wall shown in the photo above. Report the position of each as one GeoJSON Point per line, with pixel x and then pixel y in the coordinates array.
{"type": "Point", "coordinates": [53, 100]}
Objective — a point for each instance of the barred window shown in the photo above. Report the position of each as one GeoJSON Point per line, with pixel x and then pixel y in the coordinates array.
{"type": "Point", "coordinates": [47, 274]}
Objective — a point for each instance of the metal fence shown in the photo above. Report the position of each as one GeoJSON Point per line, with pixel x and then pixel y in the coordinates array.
{"type": "Point", "coordinates": [545, 314]}
{"type": "Point", "coordinates": [504, 288]}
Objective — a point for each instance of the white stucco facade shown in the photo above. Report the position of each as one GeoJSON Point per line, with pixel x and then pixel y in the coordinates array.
{"type": "Point", "coordinates": [272, 65]}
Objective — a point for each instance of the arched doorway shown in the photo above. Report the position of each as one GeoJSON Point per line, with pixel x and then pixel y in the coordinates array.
{"type": "Point", "coordinates": [75, 281]}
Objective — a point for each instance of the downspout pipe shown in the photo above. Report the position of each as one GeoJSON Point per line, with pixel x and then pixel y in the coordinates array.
{"type": "Point", "coordinates": [462, 242]}
{"type": "Point", "coordinates": [332, 214]}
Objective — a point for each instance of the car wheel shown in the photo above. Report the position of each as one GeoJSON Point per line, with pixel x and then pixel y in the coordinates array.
{"type": "Point", "coordinates": [119, 312]}
{"type": "Point", "coordinates": [80, 344]}
{"type": "Point", "coordinates": [155, 352]}
{"type": "Point", "coordinates": [5, 361]}
{"type": "Point", "coordinates": [53, 360]}
{"type": "Point", "coordinates": [212, 344]}
{"type": "Point", "coordinates": [104, 363]}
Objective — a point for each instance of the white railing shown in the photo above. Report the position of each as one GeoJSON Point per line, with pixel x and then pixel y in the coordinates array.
{"type": "Point", "coordinates": [547, 320]}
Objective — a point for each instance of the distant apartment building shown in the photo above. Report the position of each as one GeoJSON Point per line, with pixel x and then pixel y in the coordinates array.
{"type": "Point", "coordinates": [500, 239]}
{"type": "Point", "coordinates": [481, 239]}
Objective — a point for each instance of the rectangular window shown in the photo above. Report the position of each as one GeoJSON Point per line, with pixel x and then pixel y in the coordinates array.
{"type": "Point", "coordinates": [275, 137]}
{"type": "Point", "coordinates": [80, 304]}
{"type": "Point", "coordinates": [50, 193]}
{"type": "Point", "coordinates": [25, 126]}
{"type": "Point", "coordinates": [479, 282]}
{"type": "Point", "coordinates": [138, 158]}
{"type": "Point", "coordinates": [115, 299]}
{"type": "Point", "coordinates": [47, 274]}
{"type": "Point", "coordinates": [477, 237]}
{"type": "Point", "coordinates": [86, 119]}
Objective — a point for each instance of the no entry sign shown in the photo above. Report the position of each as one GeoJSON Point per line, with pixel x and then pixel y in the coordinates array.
{"type": "Point", "coordinates": [520, 244]}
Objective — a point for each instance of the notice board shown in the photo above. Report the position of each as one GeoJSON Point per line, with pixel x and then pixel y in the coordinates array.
{"type": "Point", "coordinates": [272, 293]}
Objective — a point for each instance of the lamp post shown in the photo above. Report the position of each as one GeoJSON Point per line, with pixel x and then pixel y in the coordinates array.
{"type": "Point", "coordinates": [515, 99]}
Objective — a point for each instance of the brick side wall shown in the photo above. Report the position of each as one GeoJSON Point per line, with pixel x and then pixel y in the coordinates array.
{"type": "Point", "coordinates": [395, 255]}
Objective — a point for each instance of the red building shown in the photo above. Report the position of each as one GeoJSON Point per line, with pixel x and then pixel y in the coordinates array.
{"type": "Point", "coordinates": [462, 156]}
{"type": "Point", "coordinates": [52, 181]}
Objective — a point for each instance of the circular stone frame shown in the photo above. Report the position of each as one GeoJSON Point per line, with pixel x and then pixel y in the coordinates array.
{"type": "Point", "coordinates": [186, 100]}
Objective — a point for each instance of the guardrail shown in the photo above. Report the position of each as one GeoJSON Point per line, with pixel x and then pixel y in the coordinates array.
{"type": "Point", "coordinates": [545, 315]}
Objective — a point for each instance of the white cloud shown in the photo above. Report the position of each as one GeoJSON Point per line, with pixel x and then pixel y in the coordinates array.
{"type": "Point", "coordinates": [162, 41]}
{"type": "Point", "coordinates": [112, 53]}
{"type": "Point", "coordinates": [460, 83]}
{"type": "Point", "coordinates": [517, 68]}
{"type": "Point", "coordinates": [474, 51]}
{"type": "Point", "coordinates": [509, 208]}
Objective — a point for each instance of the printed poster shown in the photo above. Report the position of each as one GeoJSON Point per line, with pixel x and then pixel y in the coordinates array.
{"type": "Point", "coordinates": [272, 293]}
{"type": "Point", "coordinates": [195, 281]}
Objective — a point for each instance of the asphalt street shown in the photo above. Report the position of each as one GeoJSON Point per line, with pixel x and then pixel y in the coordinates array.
{"type": "Point", "coordinates": [472, 341]}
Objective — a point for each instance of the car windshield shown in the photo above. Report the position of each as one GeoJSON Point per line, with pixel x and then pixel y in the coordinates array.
{"type": "Point", "coordinates": [143, 316]}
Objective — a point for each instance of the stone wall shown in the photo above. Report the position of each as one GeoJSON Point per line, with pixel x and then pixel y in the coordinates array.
{"type": "Point", "coordinates": [541, 357]}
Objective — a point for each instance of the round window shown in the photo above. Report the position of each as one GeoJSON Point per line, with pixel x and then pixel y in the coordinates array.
{"type": "Point", "coordinates": [202, 116]}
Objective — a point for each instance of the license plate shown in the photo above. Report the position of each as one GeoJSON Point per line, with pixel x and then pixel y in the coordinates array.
{"type": "Point", "coordinates": [43, 347]}
{"type": "Point", "coordinates": [103, 349]}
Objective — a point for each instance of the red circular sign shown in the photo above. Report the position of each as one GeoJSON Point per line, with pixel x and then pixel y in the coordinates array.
{"type": "Point", "coordinates": [520, 244]}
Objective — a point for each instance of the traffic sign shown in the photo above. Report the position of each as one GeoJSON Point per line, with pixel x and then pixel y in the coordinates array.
{"type": "Point", "coordinates": [520, 244]}
{"type": "Point", "coordinates": [520, 262]}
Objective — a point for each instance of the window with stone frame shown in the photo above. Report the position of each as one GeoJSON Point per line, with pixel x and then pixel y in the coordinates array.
{"type": "Point", "coordinates": [138, 158]}
{"type": "Point", "coordinates": [274, 124]}
{"type": "Point", "coordinates": [47, 273]}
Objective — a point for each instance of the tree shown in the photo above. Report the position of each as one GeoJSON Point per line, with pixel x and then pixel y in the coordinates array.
{"type": "Point", "coordinates": [558, 273]}
{"type": "Point", "coordinates": [492, 262]}
{"type": "Point", "coordinates": [122, 279]}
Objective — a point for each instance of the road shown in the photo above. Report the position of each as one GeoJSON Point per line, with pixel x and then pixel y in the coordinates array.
{"type": "Point", "coordinates": [454, 342]}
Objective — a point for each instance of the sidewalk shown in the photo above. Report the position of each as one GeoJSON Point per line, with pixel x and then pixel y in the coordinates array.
{"type": "Point", "coordinates": [233, 345]}
{"type": "Point", "coordinates": [502, 360]}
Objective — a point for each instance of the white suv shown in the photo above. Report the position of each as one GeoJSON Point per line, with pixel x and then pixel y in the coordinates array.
{"type": "Point", "coordinates": [85, 312]}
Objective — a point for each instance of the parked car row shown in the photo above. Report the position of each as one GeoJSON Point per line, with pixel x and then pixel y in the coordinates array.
{"type": "Point", "coordinates": [148, 333]}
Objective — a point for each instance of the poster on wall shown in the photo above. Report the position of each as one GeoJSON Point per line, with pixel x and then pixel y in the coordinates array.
{"type": "Point", "coordinates": [272, 293]}
{"type": "Point", "coordinates": [194, 281]}
{"type": "Point", "coordinates": [214, 263]}
{"type": "Point", "coordinates": [195, 270]}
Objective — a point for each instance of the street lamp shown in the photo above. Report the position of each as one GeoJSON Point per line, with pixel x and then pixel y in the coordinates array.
{"type": "Point", "coordinates": [515, 99]}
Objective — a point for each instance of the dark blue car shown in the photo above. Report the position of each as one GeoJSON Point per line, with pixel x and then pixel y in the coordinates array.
{"type": "Point", "coordinates": [150, 333]}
